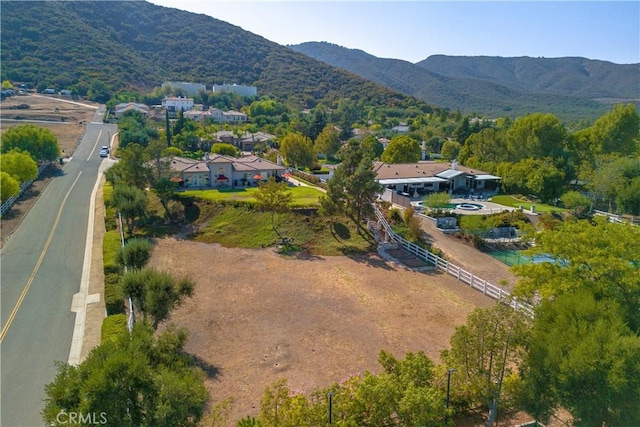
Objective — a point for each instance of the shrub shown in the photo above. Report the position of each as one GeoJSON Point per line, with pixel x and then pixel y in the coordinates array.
{"type": "Point", "coordinates": [113, 327]}
{"type": "Point", "coordinates": [395, 217]}
{"type": "Point", "coordinates": [113, 300]}
{"type": "Point", "coordinates": [408, 214]}
{"type": "Point", "coordinates": [110, 245]}
{"type": "Point", "coordinates": [135, 253]}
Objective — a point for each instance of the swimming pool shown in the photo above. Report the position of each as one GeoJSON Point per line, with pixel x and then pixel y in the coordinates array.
{"type": "Point", "coordinates": [461, 206]}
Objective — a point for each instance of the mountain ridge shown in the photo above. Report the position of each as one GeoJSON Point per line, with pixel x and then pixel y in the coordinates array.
{"type": "Point", "coordinates": [115, 46]}
{"type": "Point", "coordinates": [493, 85]}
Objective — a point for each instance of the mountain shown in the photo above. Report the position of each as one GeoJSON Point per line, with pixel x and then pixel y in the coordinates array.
{"type": "Point", "coordinates": [102, 47]}
{"type": "Point", "coordinates": [571, 88]}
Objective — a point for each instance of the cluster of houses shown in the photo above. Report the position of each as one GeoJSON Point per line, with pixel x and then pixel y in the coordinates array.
{"type": "Point", "coordinates": [409, 179]}
{"type": "Point", "coordinates": [220, 171]}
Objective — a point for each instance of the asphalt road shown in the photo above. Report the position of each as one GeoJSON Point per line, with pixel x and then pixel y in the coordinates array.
{"type": "Point", "coordinates": [41, 268]}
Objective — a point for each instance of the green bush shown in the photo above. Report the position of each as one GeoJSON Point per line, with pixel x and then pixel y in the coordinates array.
{"type": "Point", "coordinates": [110, 246]}
{"type": "Point", "coordinates": [395, 217]}
{"type": "Point", "coordinates": [113, 298]}
{"type": "Point", "coordinates": [135, 253]}
{"type": "Point", "coordinates": [113, 327]}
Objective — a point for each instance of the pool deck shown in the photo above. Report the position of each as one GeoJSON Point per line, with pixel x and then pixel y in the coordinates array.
{"type": "Point", "coordinates": [489, 207]}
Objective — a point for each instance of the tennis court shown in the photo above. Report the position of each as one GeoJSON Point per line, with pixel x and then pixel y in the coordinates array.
{"type": "Point", "coordinates": [513, 257]}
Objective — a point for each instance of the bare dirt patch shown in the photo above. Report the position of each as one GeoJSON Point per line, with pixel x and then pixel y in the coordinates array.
{"type": "Point", "coordinates": [257, 317]}
{"type": "Point", "coordinates": [62, 116]}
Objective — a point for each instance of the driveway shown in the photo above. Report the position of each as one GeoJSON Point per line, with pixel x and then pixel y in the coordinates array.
{"type": "Point", "coordinates": [468, 257]}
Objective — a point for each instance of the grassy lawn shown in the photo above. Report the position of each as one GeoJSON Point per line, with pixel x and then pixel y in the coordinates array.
{"type": "Point", "coordinates": [512, 201]}
{"type": "Point", "coordinates": [302, 196]}
{"type": "Point", "coordinates": [247, 228]}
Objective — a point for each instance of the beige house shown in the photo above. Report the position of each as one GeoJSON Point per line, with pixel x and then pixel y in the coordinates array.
{"type": "Point", "coordinates": [429, 176]}
{"type": "Point", "coordinates": [120, 109]}
{"type": "Point", "coordinates": [220, 171]}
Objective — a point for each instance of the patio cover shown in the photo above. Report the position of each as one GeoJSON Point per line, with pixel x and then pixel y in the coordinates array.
{"type": "Point", "coordinates": [484, 177]}
{"type": "Point", "coordinates": [421, 180]}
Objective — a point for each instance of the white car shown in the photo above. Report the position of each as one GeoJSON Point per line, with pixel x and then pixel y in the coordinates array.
{"type": "Point", "coordinates": [104, 153]}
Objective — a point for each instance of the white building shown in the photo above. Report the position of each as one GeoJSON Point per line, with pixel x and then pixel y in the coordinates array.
{"type": "Point", "coordinates": [174, 104]}
{"type": "Point", "coordinates": [239, 89]}
{"type": "Point", "coordinates": [189, 88]}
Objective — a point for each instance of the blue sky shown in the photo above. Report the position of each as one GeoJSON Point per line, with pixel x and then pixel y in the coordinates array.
{"type": "Point", "coordinates": [414, 30]}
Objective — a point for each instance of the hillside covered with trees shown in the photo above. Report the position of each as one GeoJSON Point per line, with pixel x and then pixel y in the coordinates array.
{"type": "Point", "coordinates": [571, 88]}
{"type": "Point", "coordinates": [99, 48]}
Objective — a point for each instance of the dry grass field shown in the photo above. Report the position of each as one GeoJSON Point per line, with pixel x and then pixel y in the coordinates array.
{"type": "Point", "coordinates": [257, 316]}
{"type": "Point", "coordinates": [62, 116]}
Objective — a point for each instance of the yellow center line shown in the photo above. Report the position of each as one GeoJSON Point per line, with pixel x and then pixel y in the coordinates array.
{"type": "Point", "coordinates": [5, 328]}
{"type": "Point", "coordinates": [95, 145]}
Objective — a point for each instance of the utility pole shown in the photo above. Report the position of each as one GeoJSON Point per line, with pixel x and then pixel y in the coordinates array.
{"type": "Point", "coordinates": [446, 415]}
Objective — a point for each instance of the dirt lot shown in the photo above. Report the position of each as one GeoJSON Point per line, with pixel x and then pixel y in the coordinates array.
{"type": "Point", "coordinates": [64, 117]}
{"type": "Point", "coordinates": [257, 316]}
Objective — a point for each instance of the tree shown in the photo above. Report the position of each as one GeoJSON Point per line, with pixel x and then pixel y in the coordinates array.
{"type": "Point", "coordinates": [9, 186]}
{"type": "Point", "coordinates": [628, 198]}
{"type": "Point", "coordinates": [40, 143]}
{"type": "Point", "coordinates": [373, 146]}
{"type": "Point", "coordinates": [132, 168]}
{"type": "Point", "coordinates": [536, 136]}
{"type": "Point", "coordinates": [450, 150]}
{"type": "Point", "coordinates": [584, 358]}
{"type": "Point", "coordinates": [274, 197]}
{"type": "Point", "coordinates": [156, 293]}
{"type": "Point", "coordinates": [615, 132]}
{"type": "Point", "coordinates": [136, 380]}
{"type": "Point", "coordinates": [596, 255]}
{"type": "Point", "coordinates": [402, 149]}
{"type": "Point", "coordinates": [577, 201]}
{"type": "Point", "coordinates": [159, 156]}
{"type": "Point", "coordinates": [20, 165]}
{"type": "Point", "coordinates": [131, 202]}
{"type": "Point", "coordinates": [485, 351]}
{"type": "Point", "coordinates": [585, 353]}
{"type": "Point", "coordinates": [330, 209]}
{"type": "Point", "coordinates": [165, 189]}
{"type": "Point", "coordinates": [226, 149]}
{"type": "Point", "coordinates": [404, 394]}
{"type": "Point", "coordinates": [297, 150]}
{"type": "Point", "coordinates": [485, 147]}
{"type": "Point", "coordinates": [353, 187]}
{"type": "Point", "coordinates": [327, 142]}
{"type": "Point", "coordinates": [532, 176]}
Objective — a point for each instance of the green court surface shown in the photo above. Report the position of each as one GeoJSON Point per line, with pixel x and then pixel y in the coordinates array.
{"type": "Point", "coordinates": [510, 258]}
{"type": "Point", "coordinates": [513, 257]}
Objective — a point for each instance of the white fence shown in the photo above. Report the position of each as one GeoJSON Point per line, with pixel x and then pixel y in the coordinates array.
{"type": "Point", "coordinates": [6, 205]}
{"type": "Point", "coordinates": [617, 218]}
{"type": "Point", "coordinates": [459, 273]}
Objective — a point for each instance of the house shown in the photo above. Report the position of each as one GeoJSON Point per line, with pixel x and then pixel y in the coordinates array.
{"type": "Point", "coordinates": [245, 142]}
{"type": "Point", "coordinates": [429, 176]}
{"type": "Point", "coordinates": [220, 171]}
{"type": "Point", "coordinates": [239, 89]}
{"type": "Point", "coordinates": [401, 128]}
{"type": "Point", "coordinates": [188, 88]}
{"type": "Point", "coordinates": [120, 109]}
{"type": "Point", "coordinates": [174, 104]}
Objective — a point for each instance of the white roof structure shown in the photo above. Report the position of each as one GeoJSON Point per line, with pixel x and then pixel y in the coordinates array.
{"type": "Point", "coordinates": [485, 177]}
{"type": "Point", "coordinates": [450, 173]}
{"type": "Point", "coordinates": [393, 181]}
